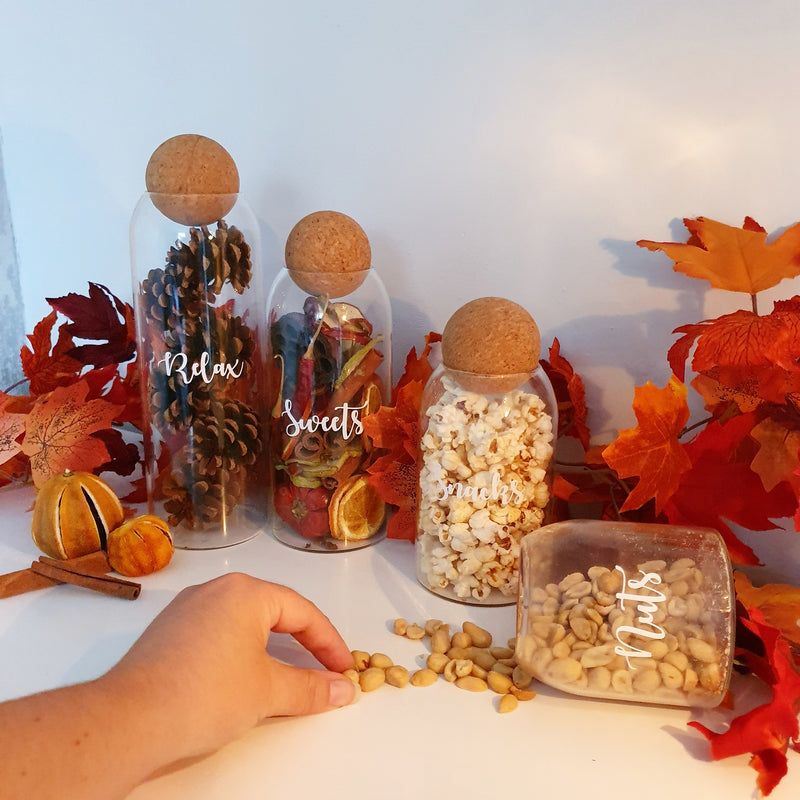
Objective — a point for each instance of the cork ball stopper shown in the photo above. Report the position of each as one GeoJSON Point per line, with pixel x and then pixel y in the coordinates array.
{"type": "Point", "coordinates": [328, 253]}
{"type": "Point", "coordinates": [494, 341]}
{"type": "Point", "coordinates": [192, 179]}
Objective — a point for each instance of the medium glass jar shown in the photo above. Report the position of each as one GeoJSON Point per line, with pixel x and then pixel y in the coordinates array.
{"type": "Point", "coordinates": [329, 366]}
{"type": "Point", "coordinates": [198, 299]}
{"type": "Point", "coordinates": [627, 611]}
{"type": "Point", "coordinates": [485, 480]}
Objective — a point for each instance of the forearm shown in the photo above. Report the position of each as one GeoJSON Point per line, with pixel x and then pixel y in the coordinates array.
{"type": "Point", "coordinates": [93, 740]}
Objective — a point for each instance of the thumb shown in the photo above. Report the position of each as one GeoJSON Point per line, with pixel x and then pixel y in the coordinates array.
{"type": "Point", "coordinates": [295, 691]}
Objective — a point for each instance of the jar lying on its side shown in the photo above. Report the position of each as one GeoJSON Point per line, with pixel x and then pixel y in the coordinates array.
{"type": "Point", "coordinates": [627, 611]}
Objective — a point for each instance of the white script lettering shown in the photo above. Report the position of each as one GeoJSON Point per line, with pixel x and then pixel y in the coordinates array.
{"type": "Point", "coordinates": [347, 422]}
{"type": "Point", "coordinates": [178, 364]}
{"type": "Point", "coordinates": [646, 607]}
{"type": "Point", "coordinates": [498, 491]}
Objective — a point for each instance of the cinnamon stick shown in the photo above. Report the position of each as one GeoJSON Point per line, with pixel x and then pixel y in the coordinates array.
{"type": "Point", "coordinates": [68, 573]}
{"type": "Point", "coordinates": [26, 580]}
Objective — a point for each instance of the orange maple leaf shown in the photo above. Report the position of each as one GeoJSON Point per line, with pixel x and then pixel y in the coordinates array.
{"type": "Point", "coordinates": [58, 432]}
{"type": "Point", "coordinates": [652, 450]}
{"type": "Point", "coordinates": [779, 452]}
{"type": "Point", "coordinates": [47, 365]}
{"type": "Point", "coordinates": [778, 602]}
{"type": "Point", "coordinates": [12, 425]}
{"type": "Point", "coordinates": [736, 259]}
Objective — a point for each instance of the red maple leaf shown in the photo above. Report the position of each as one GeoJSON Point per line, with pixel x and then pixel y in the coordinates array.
{"type": "Point", "coordinates": [740, 339]}
{"type": "Point", "coordinates": [100, 317]}
{"type": "Point", "coordinates": [59, 428]}
{"type": "Point", "coordinates": [652, 450]}
{"type": "Point", "coordinates": [48, 365]}
{"type": "Point", "coordinates": [766, 731]}
{"type": "Point", "coordinates": [721, 487]}
{"type": "Point", "coordinates": [570, 395]}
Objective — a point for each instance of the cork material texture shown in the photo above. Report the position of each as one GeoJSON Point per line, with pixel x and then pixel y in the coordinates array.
{"type": "Point", "coordinates": [192, 179]}
{"type": "Point", "coordinates": [328, 253]}
{"type": "Point", "coordinates": [489, 338]}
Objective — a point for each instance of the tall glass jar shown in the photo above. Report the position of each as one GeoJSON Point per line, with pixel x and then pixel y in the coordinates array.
{"type": "Point", "coordinates": [198, 300]}
{"type": "Point", "coordinates": [485, 480]}
{"type": "Point", "coordinates": [329, 366]}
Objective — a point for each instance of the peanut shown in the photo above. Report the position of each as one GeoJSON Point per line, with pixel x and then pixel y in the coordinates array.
{"type": "Point", "coordinates": [507, 703]}
{"type": "Point", "coordinates": [360, 659]}
{"type": "Point", "coordinates": [380, 660]}
{"type": "Point", "coordinates": [498, 683]}
{"type": "Point", "coordinates": [415, 632]}
{"type": "Point", "coordinates": [437, 662]}
{"type": "Point", "coordinates": [431, 625]}
{"type": "Point", "coordinates": [400, 626]}
{"type": "Point", "coordinates": [371, 679]}
{"type": "Point", "coordinates": [440, 639]}
{"type": "Point", "coordinates": [471, 684]}
{"type": "Point", "coordinates": [424, 677]}
{"type": "Point", "coordinates": [479, 636]}
{"type": "Point", "coordinates": [352, 674]}
{"type": "Point", "coordinates": [397, 676]}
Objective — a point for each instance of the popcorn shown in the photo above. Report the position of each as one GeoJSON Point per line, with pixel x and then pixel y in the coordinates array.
{"type": "Point", "coordinates": [483, 486]}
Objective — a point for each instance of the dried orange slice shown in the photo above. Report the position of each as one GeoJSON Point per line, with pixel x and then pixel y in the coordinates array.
{"type": "Point", "coordinates": [356, 510]}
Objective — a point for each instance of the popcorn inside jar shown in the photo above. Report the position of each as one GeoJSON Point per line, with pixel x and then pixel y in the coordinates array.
{"type": "Point", "coordinates": [627, 611]}
{"type": "Point", "coordinates": [486, 453]}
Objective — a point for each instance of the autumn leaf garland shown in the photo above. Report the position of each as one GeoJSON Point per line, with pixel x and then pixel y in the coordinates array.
{"type": "Point", "coordinates": [79, 392]}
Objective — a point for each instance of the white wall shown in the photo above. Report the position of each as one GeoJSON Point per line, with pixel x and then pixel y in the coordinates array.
{"type": "Point", "coordinates": [507, 148]}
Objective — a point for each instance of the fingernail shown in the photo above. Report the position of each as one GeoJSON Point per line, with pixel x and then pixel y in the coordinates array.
{"type": "Point", "coordinates": [342, 693]}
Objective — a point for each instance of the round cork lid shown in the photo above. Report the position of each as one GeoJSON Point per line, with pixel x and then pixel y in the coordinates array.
{"type": "Point", "coordinates": [495, 341]}
{"type": "Point", "coordinates": [328, 253]}
{"type": "Point", "coordinates": [192, 179]}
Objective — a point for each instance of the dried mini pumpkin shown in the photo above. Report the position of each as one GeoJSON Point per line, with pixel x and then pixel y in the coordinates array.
{"type": "Point", "coordinates": [140, 546]}
{"type": "Point", "coordinates": [73, 513]}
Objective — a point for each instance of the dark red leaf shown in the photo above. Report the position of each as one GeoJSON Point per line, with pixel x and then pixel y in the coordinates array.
{"type": "Point", "coordinates": [100, 317]}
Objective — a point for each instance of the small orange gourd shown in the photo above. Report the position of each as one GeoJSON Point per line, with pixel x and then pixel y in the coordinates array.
{"type": "Point", "coordinates": [73, 514]}
{"type": "Point", "coordinates": [140, 546]}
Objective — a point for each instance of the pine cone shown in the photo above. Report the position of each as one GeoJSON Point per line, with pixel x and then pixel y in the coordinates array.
{"type": "Point", "coordinates": [227, 437]}
{"type": "Point", "coordinates": [195, 273]}
{"type": "Point", "coordinates": [226, 340]}
{"type": "Point", "coordinates": [175, 405]}
{"type": "Point", "coordinates": [194, 499]}
{"type": "Point", "coordinates": [226, 337]}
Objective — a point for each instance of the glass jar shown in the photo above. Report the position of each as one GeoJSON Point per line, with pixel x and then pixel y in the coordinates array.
{"type": "Point", "coordinates": [627, 611]}
{"type": "Point", "coordinates": [485, 480]}
{"type": "Point", "coordinates": [198, 300]}
{"type": "Point", "coordinates": [329, 366]}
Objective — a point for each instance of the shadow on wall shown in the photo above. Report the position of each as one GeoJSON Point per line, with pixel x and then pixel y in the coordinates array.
{"type": "Point", "coordinates": [634, 344]}
{"type": "Point", "coordinates": [12, 330]}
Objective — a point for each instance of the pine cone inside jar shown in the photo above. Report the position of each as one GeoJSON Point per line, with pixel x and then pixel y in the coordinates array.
{"type": "Point", "coordinates": [176, 295]}
{"type": "Point", "coordinates": [194, 499]}
{"type": "Point", "coordinates": [227, 339]}
{"type": "Point", "coordinates": [175, 404]}
{"type": "Point", "coordinates": [177, 397]}
{"type": "Point", "coordinates": [226, 438]}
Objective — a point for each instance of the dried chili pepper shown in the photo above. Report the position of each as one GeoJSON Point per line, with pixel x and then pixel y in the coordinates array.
{"type": "Point", "coordinates": [303, 510]}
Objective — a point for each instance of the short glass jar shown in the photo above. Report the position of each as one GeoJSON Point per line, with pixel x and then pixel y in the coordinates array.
{"type": "Point", "coordinates": [486, 460]}
{"type": "Point", "coordinates": [198, 300]}
{"type": "Point", "coordinates": [329, 366]}
{"type": "Point", "coordinates": [627, 611]}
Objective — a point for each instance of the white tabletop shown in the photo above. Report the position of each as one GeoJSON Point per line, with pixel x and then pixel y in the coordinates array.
{"type": "Point", "coordinates": [395, 744]}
